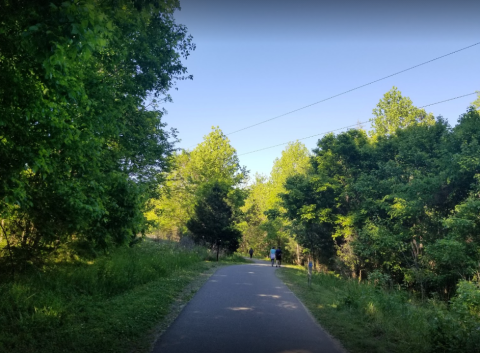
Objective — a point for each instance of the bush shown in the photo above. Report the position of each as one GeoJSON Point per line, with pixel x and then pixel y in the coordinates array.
{"type": "Point", "coordinates": [458, 329]}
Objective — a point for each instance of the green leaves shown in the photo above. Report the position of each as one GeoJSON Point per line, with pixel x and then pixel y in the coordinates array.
{"type": "Point", "coordinates": [212, 161]}
{"type": "Point", "coordinates": [403, 202]}
{"type": "Point", "coordinates": [80, 152]}
{"type": "Point", "coordinates": [397, 112]}
{"type": "Point", "coordinates": [264, 224]}
{"type": "Point", "coordinates": [213, 219]}
{"type": "Point", "coordinates": [476, 102]}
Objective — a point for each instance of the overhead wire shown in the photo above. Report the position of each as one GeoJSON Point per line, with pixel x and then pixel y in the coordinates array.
{"type": "Point", "coordinates": [346, 127]}
{"type": "Point", "coordinates": [353, 89]}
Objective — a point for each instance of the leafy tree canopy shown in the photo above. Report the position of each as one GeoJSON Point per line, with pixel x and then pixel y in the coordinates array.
{"type": "Point", "coordinates": [476, 102]}
{"type": "Point", "coordinates": [397, 112]}
{"type": "Point", "coordinates": [79, 149]}
{"type": "Point", "coordinates": [213, 160]}
{"type": "Point", "coordinates": [262, 232]}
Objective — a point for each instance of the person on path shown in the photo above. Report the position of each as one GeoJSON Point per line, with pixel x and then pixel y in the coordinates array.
{"type": "Point", "coordinates": [278, 257]}
{"type": "Point", "coordinates": [250, 252]}
{"type": "Point", "coordinates": [272, 255]}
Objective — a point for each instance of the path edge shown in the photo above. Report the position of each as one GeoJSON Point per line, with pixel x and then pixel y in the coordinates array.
{"type": "Point", "coordinates": [180, 302]}
{"type": "Point", "coordinates": [335, 340]}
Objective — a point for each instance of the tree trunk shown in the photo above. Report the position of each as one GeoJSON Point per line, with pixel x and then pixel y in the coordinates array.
{"type": "Point", "coordinates": [298, 256]}
{"type": "Point", "coordinates": [218, 249]}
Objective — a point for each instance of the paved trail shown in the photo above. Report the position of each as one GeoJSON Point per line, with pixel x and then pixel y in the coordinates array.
{"type": "Point", "coordinates": [245, 309]}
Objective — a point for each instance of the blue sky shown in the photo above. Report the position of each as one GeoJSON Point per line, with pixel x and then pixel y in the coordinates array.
{"type": "Point", "coordinates": [259, 59]}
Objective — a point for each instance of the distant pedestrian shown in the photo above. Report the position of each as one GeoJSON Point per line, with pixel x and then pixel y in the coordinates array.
{"type": "Point", "coordinates": [278, 257]}
{"type": "Point", "coordinates": [272, 255]}
{"type": "Point", "coordinates": [250, 252]}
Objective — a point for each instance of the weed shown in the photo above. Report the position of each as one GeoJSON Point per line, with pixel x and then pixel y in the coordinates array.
{"type": "Point", "coordinates": [368, 318]}
{"type": "Point", "coordinates": [106, 305]}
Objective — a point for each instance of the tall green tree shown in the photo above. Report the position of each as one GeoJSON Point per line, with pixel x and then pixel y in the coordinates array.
{"type": "Point", "coordinates": [318, 203]}
{"type": "Point", "coordinates": [79, 148]}
{"type": "Point", "coordinates": [397, 112]}
{"type": "Point", "coordinates": [213, 221]}
{"type": "Point", "coordinates": [213, 160]}
{"type": "Point", "coordinates": [253, 236]}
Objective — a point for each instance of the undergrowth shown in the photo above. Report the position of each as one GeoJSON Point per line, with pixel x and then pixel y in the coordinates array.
{"type": "Point", "coordinates": [369, 318]}
{"type": "Point", "coordinates": [104, 305]}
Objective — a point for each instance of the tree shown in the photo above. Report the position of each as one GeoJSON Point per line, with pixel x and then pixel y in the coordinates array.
{"type": "Point", "coordinates": [476, 102]}
{"type": "Point", "coordinates": [294, 160]}
{"type": "Point", "coordinates": [262, 232]}
{"type": "Point", "coordinates": [213, 220]}
{"type": "Point", "coordinates": [79, 148]}
{"type": "Point", "coordinates": [404, 204]}
{"type": "Point", "coordinates": [213, 160]}
{"type": "Point", "coordinates": [397, 112]}
{"type": "Point", "coordinates": [253, 216]}
{"type": "Point", "coordinates": [318, 202]}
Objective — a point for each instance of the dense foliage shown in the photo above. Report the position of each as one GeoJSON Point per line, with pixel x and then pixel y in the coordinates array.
{"type": "Point", "coordinates": [399, 204]}
{"type": "Point", "coordinates": [375, 318]}
{"type": "Point", "coordinates": [202, 195]}
{"type": "Point", "coordinates": [402, 205]}
{"type": "Point", "coordinates": [405, 205]}
{"type": "Point", "coordinates": [476, 103]}
{"type": "Point", "coordinates": [79, 149]}
{"type": "Point", "coordinates": [395, 111]}
{"type": "Point", "coordinates": [262, 223]}
{"type": "Point", "coordinates": [213, 221]}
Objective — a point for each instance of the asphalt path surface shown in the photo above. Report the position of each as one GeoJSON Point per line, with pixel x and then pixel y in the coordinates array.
{"type": "Point", "coordinates": [247, 309]}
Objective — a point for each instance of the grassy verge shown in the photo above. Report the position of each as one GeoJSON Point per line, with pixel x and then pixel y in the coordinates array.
{"type": "Point", "coordinates": [228, 259]}
{"type": "Point", "coordinates": [108, 305]}
{"type": "Point", "coordinates": [368, 319]}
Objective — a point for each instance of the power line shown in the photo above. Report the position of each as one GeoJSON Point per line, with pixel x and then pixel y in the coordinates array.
{"type": "Point", "coordinates": [353, 89]}
{"type": "Point", "coordinates": [451, 99]}
{"type": "Point", "coordinates": [346, 127]}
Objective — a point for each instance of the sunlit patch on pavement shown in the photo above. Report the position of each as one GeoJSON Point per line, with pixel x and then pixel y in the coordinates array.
{"type": "Point", "coordinates": [269, 295]}
{"type": "Point", "coordinates": [288, 305]}
{"type": "Point", "coordinates": [240, 308]}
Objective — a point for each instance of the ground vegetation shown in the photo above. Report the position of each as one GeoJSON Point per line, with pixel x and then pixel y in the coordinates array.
{"type": "Point", "coordinates": [374, 317]}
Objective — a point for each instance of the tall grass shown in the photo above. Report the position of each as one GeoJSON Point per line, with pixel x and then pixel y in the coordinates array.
{"type": "Point", "coordinates": [369, 318]}
{"type": "Point", "coordinates": [80, 306]}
